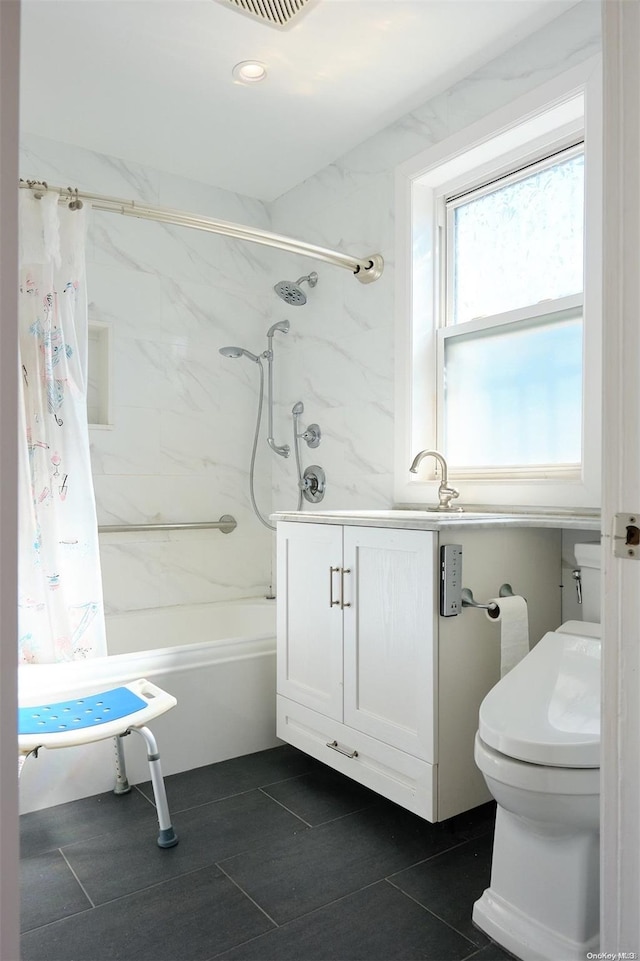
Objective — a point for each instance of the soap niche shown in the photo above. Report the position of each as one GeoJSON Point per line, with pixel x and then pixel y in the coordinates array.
{"type": "Point", "coordinates": [99, 375]}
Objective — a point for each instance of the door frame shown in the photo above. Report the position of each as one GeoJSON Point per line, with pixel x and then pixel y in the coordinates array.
{"type": "Point", "coordinates": [620, 771]}
{"type": "Point", "coordinates": [9, 125]}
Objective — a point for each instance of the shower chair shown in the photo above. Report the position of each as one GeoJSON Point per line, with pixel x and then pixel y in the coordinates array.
{"type": "Point", "coordinates": [96, 717]}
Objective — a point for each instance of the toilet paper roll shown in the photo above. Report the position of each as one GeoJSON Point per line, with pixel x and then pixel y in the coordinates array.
{"type": "Point", "coordinates": [513, 619]}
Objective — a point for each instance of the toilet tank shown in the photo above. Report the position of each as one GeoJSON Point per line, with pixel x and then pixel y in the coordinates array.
{"type": "Point", "coordinates": [588, 560]}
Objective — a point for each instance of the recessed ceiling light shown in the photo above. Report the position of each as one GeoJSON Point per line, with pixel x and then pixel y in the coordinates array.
{"type": "Point", "coordinates": [249, 71]}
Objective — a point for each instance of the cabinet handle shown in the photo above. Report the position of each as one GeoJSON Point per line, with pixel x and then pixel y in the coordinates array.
{"type": "Point", "coordinates": [343, 571]}
{"type": "Point", "coordinates": [332, 571]}
{"type": "Point", "coordinates": [341, 750]}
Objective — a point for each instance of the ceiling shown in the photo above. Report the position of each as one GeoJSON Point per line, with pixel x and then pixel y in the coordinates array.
{"type": "Point", "coordinates": [149, 81]}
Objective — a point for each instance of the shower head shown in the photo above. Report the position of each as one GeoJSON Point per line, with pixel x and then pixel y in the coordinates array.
{"type": "Point", "coordinates": [292, 293]}
{"type": "Point", "coordinates": [238, 352]}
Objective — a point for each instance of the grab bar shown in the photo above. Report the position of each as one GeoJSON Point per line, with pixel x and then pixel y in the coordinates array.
{"type": "Point", "coordinates": [225, 525]}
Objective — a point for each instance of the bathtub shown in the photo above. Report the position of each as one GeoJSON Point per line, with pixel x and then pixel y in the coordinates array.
{"type": "Point", "coordinates": [217, 659]}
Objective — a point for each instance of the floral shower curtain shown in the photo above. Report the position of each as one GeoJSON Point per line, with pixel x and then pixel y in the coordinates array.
{"type": "Point", "coordinates": [60, 607]}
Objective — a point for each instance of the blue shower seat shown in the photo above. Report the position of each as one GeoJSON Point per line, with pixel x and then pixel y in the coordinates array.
{"type": "Point", "coordinates": [95, 717]}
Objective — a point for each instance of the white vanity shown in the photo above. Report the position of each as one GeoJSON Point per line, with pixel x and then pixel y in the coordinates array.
{"type": "Point", "coordinates": [371, 679]}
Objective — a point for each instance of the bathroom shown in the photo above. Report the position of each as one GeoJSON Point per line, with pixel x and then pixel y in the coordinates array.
{"type": "Point", "coordinates": [178, 419]}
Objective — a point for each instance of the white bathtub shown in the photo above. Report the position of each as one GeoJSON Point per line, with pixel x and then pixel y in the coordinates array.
{"type": "Point", "coordinates": [218, 660]}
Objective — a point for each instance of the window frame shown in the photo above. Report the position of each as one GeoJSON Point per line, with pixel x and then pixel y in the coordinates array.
{"type": "Point", "coordinates": [554, 117]}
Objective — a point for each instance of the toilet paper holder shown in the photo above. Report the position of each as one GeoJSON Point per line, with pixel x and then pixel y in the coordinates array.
{"type": "Point", "coordinates": [467, 598]}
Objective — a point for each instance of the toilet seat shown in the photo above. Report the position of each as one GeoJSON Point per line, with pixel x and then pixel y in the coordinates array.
{"type": "Point", "coordinates": [543, 779]}
{"type": "Point", "coordinates": [546, 711]}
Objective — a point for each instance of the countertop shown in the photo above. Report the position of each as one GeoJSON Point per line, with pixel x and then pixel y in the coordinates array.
{"type": "Point", "coordinates": [426, 520]}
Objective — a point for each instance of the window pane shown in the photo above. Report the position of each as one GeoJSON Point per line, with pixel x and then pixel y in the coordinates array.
{"type": "Point", "coordinates": [520, 244]}
{"type": "Point", "coordinates": [514, 397]}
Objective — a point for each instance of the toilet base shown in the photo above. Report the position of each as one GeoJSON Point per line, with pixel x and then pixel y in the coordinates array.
{"type": "Point", "coordinates": [543, 900]}
{"type": "Point", "coordinates": [522, 935]}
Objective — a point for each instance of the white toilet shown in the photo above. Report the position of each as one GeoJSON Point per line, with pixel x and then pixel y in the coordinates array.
{"type": "Point", "coordinates": [538, 747]}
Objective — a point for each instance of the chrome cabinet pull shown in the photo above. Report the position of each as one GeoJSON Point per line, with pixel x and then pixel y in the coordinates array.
{"type": "Point", "coordinates": [341, 750]}
{"type": "Point", "coordinates": [332, 571]}
{"type": "Point", "coordinates": [343, 571]}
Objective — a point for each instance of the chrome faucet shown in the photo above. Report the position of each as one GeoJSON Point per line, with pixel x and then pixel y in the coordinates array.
{"type": "Point", "coordinates": [445, 493]}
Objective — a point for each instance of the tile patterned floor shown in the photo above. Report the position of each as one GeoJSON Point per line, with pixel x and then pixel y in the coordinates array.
{"type": "Point", "coordinates": [280, 859]}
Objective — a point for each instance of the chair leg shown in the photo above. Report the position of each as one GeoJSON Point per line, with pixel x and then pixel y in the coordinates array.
{"type": "Point", "coordinates": [23, 757]}
{"type": "Point", "coordinates": [167, 837]}
{"type": "Point", "coordinates": [122, 785]}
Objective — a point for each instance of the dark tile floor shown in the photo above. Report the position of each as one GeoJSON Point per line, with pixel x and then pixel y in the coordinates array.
{"type": "Point", "coordinates": [279, 858]}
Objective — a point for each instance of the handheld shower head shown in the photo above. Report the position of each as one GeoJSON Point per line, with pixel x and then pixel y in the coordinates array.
{"type": "Point", "coordinates": [238, 352]}
{"type": "Point", "coordinates": [292, 293]}
{"type": "Point", "coordinates": [282, 325]}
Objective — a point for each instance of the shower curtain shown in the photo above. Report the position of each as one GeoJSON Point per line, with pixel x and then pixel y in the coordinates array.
{"type": "Point", "coordinates": [60, 606]}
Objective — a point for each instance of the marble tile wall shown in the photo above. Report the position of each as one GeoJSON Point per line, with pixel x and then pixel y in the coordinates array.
{"type": "Point", "coordinates": [183, 417]}
{"type": "Point", "coordinates": [341, 361]}
{"type": "Point", "coordinates": [179, 446]}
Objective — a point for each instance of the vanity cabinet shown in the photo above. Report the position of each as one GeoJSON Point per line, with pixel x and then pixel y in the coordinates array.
{"type": "Point", "coordinates": [371, 680]}
{"type": "Point", "coordinates": [356, 659]}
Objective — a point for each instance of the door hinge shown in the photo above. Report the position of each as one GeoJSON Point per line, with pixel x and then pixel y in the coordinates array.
{"type": "Point", "coordinates": [626, 536]}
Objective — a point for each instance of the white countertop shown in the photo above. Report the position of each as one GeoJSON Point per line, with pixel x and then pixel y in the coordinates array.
{"type": "Point", "coordinates": [427, 520]}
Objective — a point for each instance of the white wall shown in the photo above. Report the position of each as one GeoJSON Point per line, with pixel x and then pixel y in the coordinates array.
{"type": "Point", "coordinates": [343, 359]}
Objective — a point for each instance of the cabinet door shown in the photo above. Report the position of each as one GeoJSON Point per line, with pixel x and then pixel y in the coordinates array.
{"type": "Point", "coordinates": [309, 625]}
{"type": "Point", "coordinates": [389, 631]}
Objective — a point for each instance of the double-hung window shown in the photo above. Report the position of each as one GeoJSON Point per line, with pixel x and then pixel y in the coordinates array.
{"type": "Point", "coordinates": [499, 324]}
{"type": "Point", "coordinates": [511, 326]}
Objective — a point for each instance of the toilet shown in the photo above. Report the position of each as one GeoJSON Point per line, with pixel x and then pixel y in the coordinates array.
{"type": "Point", "coordinates": [538, 747]}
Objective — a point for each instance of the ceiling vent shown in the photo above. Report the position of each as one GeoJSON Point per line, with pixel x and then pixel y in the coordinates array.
{"type": "Point", "coordinates": [278, 13]}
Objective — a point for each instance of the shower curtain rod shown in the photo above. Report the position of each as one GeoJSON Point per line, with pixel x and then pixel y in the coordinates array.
{"type": "Point", "coordinates": [366, 269]}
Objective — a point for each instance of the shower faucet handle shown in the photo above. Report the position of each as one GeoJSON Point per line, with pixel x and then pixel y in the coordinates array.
{"type": "Point", "coordinates": [313, 483]}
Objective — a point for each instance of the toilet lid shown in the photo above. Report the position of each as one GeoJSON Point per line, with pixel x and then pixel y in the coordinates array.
{"type": "Point", "coordinates": [547, 709]}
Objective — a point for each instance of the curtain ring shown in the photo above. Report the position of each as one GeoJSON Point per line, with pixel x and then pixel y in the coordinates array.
{"type": "Point", "coordinates": [75, 203]}
{"type": "Point", "coordinates": [34, 184]}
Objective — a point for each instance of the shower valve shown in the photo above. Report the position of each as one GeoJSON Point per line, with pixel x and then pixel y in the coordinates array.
{"type": "Point", "coordinates": [313, 483]}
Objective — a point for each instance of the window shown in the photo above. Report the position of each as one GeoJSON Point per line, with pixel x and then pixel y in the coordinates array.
{"type": "Point", "coordinates": [499, 326]}
{"type": "Point", "coordinates": [510, 344]}
{"type": "Point", "coordinates": [518, 241]}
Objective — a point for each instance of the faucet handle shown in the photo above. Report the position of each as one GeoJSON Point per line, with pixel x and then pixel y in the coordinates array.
{"type": "Point", "coordinates": [446, 494]}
